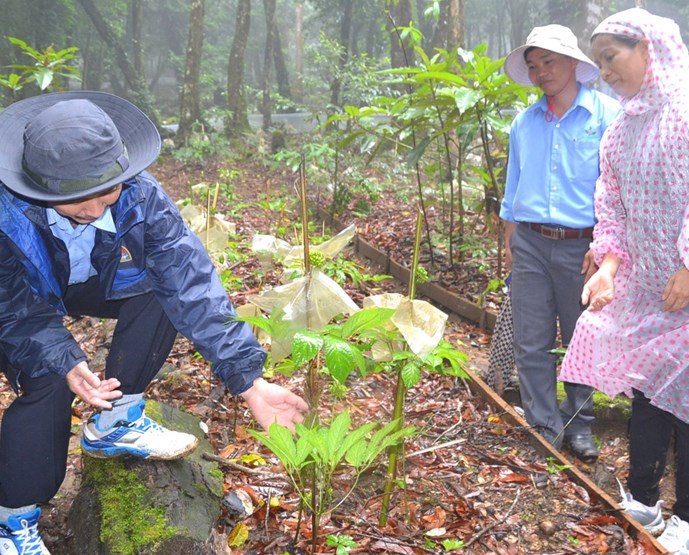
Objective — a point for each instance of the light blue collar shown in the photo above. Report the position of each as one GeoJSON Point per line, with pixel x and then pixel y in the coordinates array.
{"type": "Point", "coordinates": [104, 223]}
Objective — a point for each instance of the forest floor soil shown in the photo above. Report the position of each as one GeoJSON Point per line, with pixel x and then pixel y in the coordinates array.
{"type": "Point", "coordinates": [470, 475]}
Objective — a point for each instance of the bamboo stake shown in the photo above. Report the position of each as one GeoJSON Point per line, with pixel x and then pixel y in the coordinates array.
{"type": "Point", "coordinates": [215, 196]}
{"type": "Point", "coordinates": [312, 392]}
{"type": "Point", "coordinates": [208, 220]}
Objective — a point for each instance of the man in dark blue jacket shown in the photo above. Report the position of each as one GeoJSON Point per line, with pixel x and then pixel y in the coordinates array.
{"type": "Point", "coordinates": [84, 230]}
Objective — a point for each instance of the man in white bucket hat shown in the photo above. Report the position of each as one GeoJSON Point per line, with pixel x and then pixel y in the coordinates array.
{"type": "Point", "coordinates": [549, 218]}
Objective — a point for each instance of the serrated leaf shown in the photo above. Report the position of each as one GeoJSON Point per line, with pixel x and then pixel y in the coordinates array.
{"type": "Point", "coordinates": [354, 437]}
{"type": "Point", "coordinates": [260, 322]}
{"type": "Point", "coordinates": [411, 374]}
{"type": "Point", "coordinates": [305, 347]}
{"type": "Point", "coordinates": [320, 450]}
{"type": "Point", "coordinates": [364, 319]}
{"type": "Point", "coordinates": [339, 358]}
{"type": "Point", "coordinates": [336, 435]}
{"type": "Point", "coordinates": [359, 361]}
{"type": "Point", "coordinates": [356, 454]}
{"type": "Point", "coordinates": [281, 442]}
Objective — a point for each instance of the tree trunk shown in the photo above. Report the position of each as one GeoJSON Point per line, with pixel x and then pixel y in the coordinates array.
{"type": "Point", "coordinates": [299, 50]}
{"type": "Point", "coordinates": [347, 7]}
{"type": "Point", "coordinates": [589, 15]}
{"type": "Point", "coordinates": [190, 104]}
{"type": "Point", "coordinates": [271, 25]}
{"type": "Point", "coordinates": [519, 11]}
{"type": "Point", "coordinates": [281, 74]}
{"type": "Point", "coordinates": [560, 11]}
{"type": "Point", "coordinates": [455, 24]}
{"type": "Point", "coordinates": [140, 93]}
{"type": "Point", "coordinates": [449, 33]}
{"type": "Point", "coordinates": [137, 16]}
{"type": "Point", "coordinates": [400, 15]}
{"type": "Point", "coordinates": [154, 507]}
{"type": "Point", "coordinates": [236, 99]}
{"type": "Point", "coordinates": [92, 55]}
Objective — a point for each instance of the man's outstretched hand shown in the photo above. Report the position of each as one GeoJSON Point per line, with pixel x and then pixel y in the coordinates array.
{"type": "Point", "coordinates": [272, 403]}
{"type": "Point", "coordinates": [84, 383]}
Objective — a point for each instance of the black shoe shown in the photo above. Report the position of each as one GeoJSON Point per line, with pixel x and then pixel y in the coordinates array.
{"type": "Point", "coordinates": [582, 447]}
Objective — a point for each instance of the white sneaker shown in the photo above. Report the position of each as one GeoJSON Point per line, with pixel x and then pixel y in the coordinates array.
{"type": "Point", "coordinates": [650, 518]}
{"type": "Point", "coordinates": [19, 535]}
{"type": "Point", "coordinates": [676, 536]}
{"type": "Point", "coordinates": [143, 438]}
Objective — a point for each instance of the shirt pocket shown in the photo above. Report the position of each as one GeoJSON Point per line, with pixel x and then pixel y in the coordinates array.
{"type": "Point", "coordinates": [585, 158]}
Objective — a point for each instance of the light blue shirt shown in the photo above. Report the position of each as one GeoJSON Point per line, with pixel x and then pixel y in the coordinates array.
{"type": "Point", "coordinates": [553, 166]}
{"type": "Point", "coordinates": [79, 241]}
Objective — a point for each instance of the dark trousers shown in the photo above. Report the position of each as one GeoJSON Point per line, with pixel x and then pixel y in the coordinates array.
{"type": "Point", "coordinates": [650, 434]}
{"type": "Point", "coordinates": [546, 291]}
{"type": "Point", "coordinates": [35, 429]}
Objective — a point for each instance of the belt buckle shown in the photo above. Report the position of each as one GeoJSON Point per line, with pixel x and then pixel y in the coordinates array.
{"type": "Point", "coordinates": [556, 233]}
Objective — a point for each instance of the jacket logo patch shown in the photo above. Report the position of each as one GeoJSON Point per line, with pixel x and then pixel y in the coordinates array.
{"type": "Point", "coordinates": [126, 256]}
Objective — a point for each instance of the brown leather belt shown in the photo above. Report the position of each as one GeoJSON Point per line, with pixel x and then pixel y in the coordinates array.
{"type": "Point", "coordinates": [557, 233]}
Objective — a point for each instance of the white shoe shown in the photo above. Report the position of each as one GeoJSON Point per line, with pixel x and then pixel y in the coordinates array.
{"type": "Point", "coordinates": [143, 438]}
{"type": "Point", "coordinates": [676, 536]}
{"type": "Point", "coordinates": [650, 518]}
{"type": "Point", "coordinates": [19, 535]}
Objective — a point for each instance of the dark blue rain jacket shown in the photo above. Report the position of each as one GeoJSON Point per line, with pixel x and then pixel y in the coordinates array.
{"type": "Point", "coordinates": [152, 251]}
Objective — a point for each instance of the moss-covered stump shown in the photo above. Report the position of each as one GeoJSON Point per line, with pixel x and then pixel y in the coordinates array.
{"type": "Point", "coordinates": [130, 506]}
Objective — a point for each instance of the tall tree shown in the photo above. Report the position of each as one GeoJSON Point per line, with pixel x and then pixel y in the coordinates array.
{"type": "Point", "coordinates": [455, 24]}
{"type": "Point", "coordinates": [236, 98]}
{"type": "Point", "coordinates": [190, 104]}
{"type": "Point", "coordinates": [347, 8]}
{"type": "Point", "coordinates": [449, 31]}
{"type": "Point", "coordinates": [269, 7]}
{"type": "Point", "coordinates": [299, 49]}
{"type": "Point", "coordinates": [519, 16]}
{"type": "Point", "coordinates": [281, 73]}
{"type": "Point", "coordinates": [399, 15]}
{"type": "Point", "coordinates": [137, 20]}
{"type": "Point", "coordinates": [589, 14]}
{"type": "Point", "coordinates": [136, 82]}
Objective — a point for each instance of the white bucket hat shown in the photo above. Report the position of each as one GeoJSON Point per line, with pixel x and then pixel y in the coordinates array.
{"type": "Point", "coordinates": [556, 38]}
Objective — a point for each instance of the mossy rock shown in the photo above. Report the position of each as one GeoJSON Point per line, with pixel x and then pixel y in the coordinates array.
{"type": "Point", "coordinates": [604, 407]}
{"type": "Point", "coordinates": [130, 506]}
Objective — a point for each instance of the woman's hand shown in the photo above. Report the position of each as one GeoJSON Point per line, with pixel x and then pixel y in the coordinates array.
{"type": "Point", "coordinates": [599, 290]}
{"type": "Point", "coordinates": [676, 293]}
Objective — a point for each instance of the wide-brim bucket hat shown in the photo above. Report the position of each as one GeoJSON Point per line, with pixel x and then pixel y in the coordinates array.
{"type": "Point", "coordinates": [556, 38]}
{"type": "Point", "coordinates": [65, 146]}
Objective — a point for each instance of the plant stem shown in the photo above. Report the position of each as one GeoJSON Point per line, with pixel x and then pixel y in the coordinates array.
{"type": "Point", "coordinates": [314, 513]}
{"type": "Point", "coordinates": [393, 453]}
{"type": "Point", "coordinates": [401, 389]}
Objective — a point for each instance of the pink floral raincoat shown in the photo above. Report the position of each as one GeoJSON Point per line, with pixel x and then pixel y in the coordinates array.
{"type": "Point", "coordinates": [642, 208]}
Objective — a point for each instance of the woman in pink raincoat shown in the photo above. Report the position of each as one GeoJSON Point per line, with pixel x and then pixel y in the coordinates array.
{"type": "Point", "coordinates": [634, 339]}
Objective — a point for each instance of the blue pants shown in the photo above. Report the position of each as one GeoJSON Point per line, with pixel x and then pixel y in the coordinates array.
{"type": "Point", "coordinates": [650, 434]}
{"type": "Point", "coordinates": [35, 430]}
{"type": "Point", "coordinates": [546, 291]}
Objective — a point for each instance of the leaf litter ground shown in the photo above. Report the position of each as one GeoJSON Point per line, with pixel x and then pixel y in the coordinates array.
{"type": "Point", "coordinates": [470, 475]}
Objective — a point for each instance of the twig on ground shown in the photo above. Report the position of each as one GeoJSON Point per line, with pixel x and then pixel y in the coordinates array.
{"type": "Point", "coordinates": [241, 468]}
{"type": "Point", "coordinates": [439, 446]}
{"type": "Point", "coordinates": [487, 529]}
